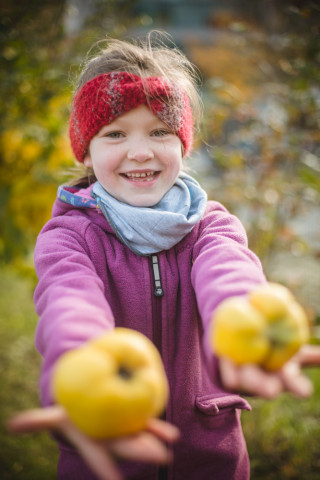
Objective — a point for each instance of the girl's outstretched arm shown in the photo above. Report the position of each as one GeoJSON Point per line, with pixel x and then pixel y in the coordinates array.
{"type": "Point", "coordinates": [253, 380]}
{"type": "Point", "coordinates": [147, 446]}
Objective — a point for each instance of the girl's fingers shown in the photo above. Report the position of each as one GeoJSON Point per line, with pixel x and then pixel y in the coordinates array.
{"type": "Point", "coordinates": [144, 447]}
{"type": "Point", "coordinates": [294, 381]}
{"type": "Point", "coordinates": [55, 418]}
{"type": "Point", "coordinates": [309, 355]}
{"type": "Point", "coordinates": [249, 379]}
{"type": "Point", "coordinates": [94, 453]}
{"type": "Point", "coordinates": [163, 430]}
{"type": "Point", "coordinates": [256, 381]}
{"type": "Point", "coordinates": [37, 419]}
{"type": "Point", "coordinates": [229, 374]}
{"type": "Point", "coordinates": [252, 379]}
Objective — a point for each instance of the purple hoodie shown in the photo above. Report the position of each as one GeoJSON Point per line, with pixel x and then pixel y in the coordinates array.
{"type": "Point", "coordinates": [89, 282]}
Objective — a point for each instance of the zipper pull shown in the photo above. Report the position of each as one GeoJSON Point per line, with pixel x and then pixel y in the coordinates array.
{"type": "Point", "coordinates": [158, 290]}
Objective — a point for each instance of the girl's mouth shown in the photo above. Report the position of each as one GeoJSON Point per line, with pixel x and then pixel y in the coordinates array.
{"type": "Point", "coordinates": [141, 176]}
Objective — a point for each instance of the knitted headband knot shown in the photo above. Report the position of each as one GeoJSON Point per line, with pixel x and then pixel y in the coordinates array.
{"type": "Point", "coordinates": [109, 95]}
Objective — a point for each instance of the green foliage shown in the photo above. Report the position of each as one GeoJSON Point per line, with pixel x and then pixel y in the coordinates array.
{"type": "Point", "coordinates": [281, 436]}
{"type": "Point", "coordinates": [29, 457]}
{"type": "Point", "coordinates": [32, 133]}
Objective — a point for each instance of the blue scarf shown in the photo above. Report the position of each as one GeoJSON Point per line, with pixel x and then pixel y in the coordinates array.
{"type": "Point", "coordinates": [147, 230]}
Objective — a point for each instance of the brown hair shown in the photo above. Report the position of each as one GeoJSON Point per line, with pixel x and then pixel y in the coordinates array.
{"type": "Point", "coordinates": [145, 58]}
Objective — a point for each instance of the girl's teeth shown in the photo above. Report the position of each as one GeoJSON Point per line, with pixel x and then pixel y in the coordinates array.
{"type": "Point", "coordinates": [140, 175]}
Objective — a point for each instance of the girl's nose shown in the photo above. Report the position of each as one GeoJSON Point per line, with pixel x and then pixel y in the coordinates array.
{"type": "Point", "coordinates": [140, 153]}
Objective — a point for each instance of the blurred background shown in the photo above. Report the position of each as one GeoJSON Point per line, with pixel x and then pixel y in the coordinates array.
{"type": "Point", "coordinates": [258, 152]}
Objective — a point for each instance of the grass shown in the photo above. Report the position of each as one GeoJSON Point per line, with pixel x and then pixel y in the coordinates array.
{"type": "Point", "coordinates": [282, 435]}
{"type": "Point", "coordinates": [33, 456]}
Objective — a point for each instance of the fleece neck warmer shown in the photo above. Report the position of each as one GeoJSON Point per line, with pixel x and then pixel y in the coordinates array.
{"type": "Point", "coordinates": [148, 230]}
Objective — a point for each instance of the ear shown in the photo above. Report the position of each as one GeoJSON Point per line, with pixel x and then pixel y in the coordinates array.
{"type": "Point", "coordinates": [87, 161]}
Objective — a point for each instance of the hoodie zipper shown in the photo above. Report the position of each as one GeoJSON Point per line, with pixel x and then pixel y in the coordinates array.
{"type": "Point", "coordinates": [158, 292]}
{"type": "Point", "coordinates": [156, 302]}
{"type": "Point", "coordinates": [157, 283]}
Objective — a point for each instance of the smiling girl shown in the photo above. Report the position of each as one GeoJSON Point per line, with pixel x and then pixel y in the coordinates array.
{"type": "Point", "coordinates": [136, 244]}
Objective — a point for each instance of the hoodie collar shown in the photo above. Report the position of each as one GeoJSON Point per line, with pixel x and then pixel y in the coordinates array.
{"type": "Point", "coordinates": [78, 197]}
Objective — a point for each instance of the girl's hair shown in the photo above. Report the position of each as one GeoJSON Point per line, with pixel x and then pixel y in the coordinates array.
{"type": "Point", "coordinates": [145, 58]}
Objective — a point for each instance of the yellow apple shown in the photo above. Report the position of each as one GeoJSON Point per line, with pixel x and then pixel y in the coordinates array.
{"type": "Point", "coordinates": [238, 332]}
{"type": "Point", "coordinates": [265, 328]}
{"type": "Point", "coordinates": [286, 334]}
{"type": "Point", "coordinates": [271, 299]}
{"type": "Point", "coordinates": [113, 385]}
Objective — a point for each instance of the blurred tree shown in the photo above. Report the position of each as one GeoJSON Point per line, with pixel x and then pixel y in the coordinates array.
{"type": "Point", "coordinates": [30, 43]}
{"type": "Point", "coordinates": [41, 48]}
{"type": "Point", "coordinates": [261, 145]}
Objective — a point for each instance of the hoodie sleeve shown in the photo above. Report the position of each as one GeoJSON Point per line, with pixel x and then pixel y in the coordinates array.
{"type": "Point", "coordinates": [69, 297]}
{"type": "Point", "coordinates": [223, 265]}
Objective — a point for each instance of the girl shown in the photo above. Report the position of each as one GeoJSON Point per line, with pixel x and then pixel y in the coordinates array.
{"type": "Point", "coordinates": [135, 243]}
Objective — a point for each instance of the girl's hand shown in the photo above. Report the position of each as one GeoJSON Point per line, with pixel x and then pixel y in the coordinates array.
{"type": "Point", "coordinates": [253, 380]}
{"type": "Point", "coordinates": [146, 446]}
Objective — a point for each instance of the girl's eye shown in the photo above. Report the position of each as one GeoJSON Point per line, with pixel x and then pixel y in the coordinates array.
{"type": "Point", "coordinates": [160, 133]}
{"type": "Point", "coordinates": [114, 135]}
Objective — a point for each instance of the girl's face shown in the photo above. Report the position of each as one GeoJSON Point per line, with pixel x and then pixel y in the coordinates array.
{"type": "Point", "coordinates": [136, 158]}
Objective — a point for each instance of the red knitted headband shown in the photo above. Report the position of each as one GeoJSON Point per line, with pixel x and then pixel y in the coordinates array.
{"type": "Point", "coordinates": [110, 95]}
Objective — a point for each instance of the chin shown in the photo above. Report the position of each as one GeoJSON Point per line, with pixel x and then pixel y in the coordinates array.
{"type": "Point", "coordinates": [143, 203]}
